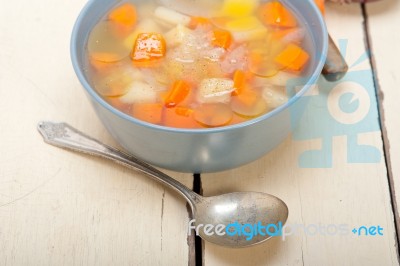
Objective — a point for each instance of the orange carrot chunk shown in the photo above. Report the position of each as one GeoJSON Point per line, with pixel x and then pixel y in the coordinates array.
{"type": "Point", "coordinates": [116, 103]}
{"type": "Point", "coordinates": [179, 117]}
{"type": "Point", "coordinates": [148, 112]}
{"type": "Point", "coordinates": [239, 79]}
{"type": "Point", "coordinates": [183, 111]}
{"type": "Point", "coordinates": [276, 14]}
{"type": "Point", "coordinates": [222, 38]}
{"type": "Point", "coordinates": [148, 49]}
{"type": "Point", "coordinates": [179, 91]}
{"type": "Point", "coordinates": [321, 5]}
{"type": "Point", "coordinates": [293, 58]}
{"type": "Point", "coordinates": [124, 15]}
{"type": "Point", "coordinates": [198, 21]}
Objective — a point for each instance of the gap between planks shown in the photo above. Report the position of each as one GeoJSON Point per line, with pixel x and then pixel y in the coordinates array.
{"type": "Point", "coordinates": [382, 123]}
{"type": "Point", "coordinates": [195, 243]}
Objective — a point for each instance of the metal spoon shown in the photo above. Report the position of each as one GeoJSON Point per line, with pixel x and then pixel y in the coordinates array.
{"type": "Point", "coordinates": [231, 210]}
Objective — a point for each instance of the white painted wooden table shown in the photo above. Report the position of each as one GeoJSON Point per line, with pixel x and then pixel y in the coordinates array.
{"type": "Point", "coordinates": [60, 208]}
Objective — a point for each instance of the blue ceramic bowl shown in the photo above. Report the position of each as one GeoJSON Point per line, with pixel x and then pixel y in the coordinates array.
{"type": "Point", "coordinates": [198, 150]}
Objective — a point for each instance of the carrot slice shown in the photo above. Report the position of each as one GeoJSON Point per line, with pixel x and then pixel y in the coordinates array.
{"type": "Point", "coordinates": [222, 38]}
{"type": "Point", "coordinates": [292, 58]}
{"type": "Point", "coordinates": [276, 14]}
{"type": "Point", "coordinates": [149, 48]}
{"type": "Point", "coordinates": [105, 45]}
{"type": "Point", "coordinates": [179, 91]}
{"type": "Point", "coordinates": [249, 104]}
{"type": "Point", "coordinates": [148, 112]}
{"type": "Point", "coordinates": [262, 55]}
{"type": "Point", "coordinates": [213, 114]}
{"type": "Point", "coordinates": [102, 66]}
{"type": "Point", "coordinates": [124, 15]}
{"type": "Point", "coordinates": [239, 79]}
{"type": "Point", "coordinates": [262, 66]}
{"type": "Point", "coordinates": [105, 57]}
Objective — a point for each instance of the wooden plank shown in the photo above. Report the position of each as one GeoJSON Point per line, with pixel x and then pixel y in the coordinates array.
{"type": "Point", "coordinates": [58, 207]}
{"type": "Point", "coordinates": [351, 194]}
{"type": "Point", "coordinates": [384, 20]}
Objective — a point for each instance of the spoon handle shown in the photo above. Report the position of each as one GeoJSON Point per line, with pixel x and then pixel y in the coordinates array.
{"type": "Point", "coordinates": [64, 136]}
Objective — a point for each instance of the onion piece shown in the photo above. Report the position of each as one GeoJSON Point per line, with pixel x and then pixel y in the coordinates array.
{"type": "Point", "coordinates": [235, 59]}
{"type": "Point", "coordinates": [177, 35]}
{"type": "Point", "coordinates": [280, 79]}
{"type": "Point", "coordinates": [171, 16]}
{"type": "Point", "coordinates": [116, 82]}
{"type": "Point", "coordinates": [274, 96]}
{"type": "Point", "coordinates": [296, 36]}
{"type": "Point", "coordinates": [140, 92]}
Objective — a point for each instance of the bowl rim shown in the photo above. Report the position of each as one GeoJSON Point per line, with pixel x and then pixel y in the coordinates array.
{"type": "Point", "coordinates": [198, 131]}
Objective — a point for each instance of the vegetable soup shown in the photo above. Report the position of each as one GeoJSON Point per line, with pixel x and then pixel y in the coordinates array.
{"type": "Point", "coordinates": [197, 64]}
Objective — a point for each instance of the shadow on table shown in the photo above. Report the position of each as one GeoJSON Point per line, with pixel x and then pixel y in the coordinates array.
{"type": "Point", "coordinates": [268, 253]}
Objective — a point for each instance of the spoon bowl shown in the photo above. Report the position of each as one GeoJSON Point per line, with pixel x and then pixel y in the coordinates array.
{"type": "Point", "coordinates": [235, 214]}
{"type": "Point", "coordinates": [249, 218]}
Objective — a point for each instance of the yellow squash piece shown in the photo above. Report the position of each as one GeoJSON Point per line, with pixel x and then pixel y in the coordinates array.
{"type": "Point", "coordinates": [239, 8]}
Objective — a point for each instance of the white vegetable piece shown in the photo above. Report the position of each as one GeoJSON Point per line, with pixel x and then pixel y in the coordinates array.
{"type": "Point", "coordinates": [234, 60]}
{"type": "Point", "coordinates": [171, 16]}
{"type": "Point", "coordinates": [215, 90]}
{"type": "Point", "coordinates": [118, 81]}
{"type": "Point", "coordinates": [140, 92]}
{"type": "Point", "coordinates": [176, 36]}
{"type": "Point", "coordinates": [250, 35]}
{"type": "Point", "coordinates": [280, 79]}
{"type": "Point", "coordinates": [296, 36]}
{"type": "Point", "coordinates": [213, 54]}
{"type": "Point", "coordinates": [274, 96]}
{"type": "Point", "coordinates": [202, 8]}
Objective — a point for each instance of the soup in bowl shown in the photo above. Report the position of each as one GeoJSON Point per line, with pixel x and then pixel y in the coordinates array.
{"type": "Point", "coordinates": [198, 86]}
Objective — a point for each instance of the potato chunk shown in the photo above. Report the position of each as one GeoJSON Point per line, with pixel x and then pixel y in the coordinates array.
{"type": "Point", "coordinates": [215, 90]}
